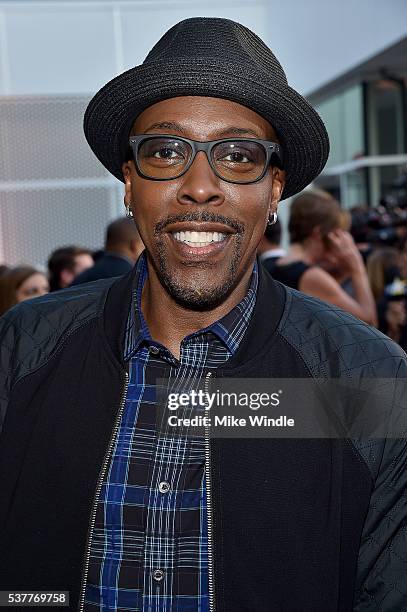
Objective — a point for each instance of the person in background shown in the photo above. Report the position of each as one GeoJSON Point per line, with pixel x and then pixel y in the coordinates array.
{"type": "Point", "coordinates": [123, 246]}
{"type": "Point", "coordinates": [317, 238]}
{"type": "Point", "coordinates": [383, 267]}
{"type": "Point", "coordinates": [385, 272]}
{"type": "Point", "coordinates": [336, 270]}
{"type": "Point", "coordinates": [20, 284]}
{"type": "Point", "coordinates": [360, 230]}
{"type": "Point", "coordinates": [392, 311]}
{"type": "Point", "coordinates": [403, 261]}
{"type": "Point", "coordinates": [66, 263]}
{"type": "Point", "coordinates": [269, 248]}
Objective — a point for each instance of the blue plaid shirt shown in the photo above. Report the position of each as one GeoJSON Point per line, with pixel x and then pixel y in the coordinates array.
{"type": "Point", "coordinates": [149, 549]}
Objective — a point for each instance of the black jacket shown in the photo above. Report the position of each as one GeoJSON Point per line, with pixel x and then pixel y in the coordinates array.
{"type": "Point", "coordinates": [299, 525]}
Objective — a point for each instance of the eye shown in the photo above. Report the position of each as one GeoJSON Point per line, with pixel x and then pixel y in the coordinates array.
{"type": "Point", "coordinates": [238, 153]}
{"type": "Point", "coordinates": [237, 157]}
{"type": "Point", "coordinates": [165, 153]}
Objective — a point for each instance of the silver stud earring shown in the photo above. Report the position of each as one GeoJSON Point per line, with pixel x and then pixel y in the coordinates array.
{"type": "Point", "coordinates": [272, 219]}
{"type": "Point", "coordinates": [129, 212]}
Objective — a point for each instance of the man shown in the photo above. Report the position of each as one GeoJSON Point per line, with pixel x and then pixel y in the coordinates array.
{"type": "Point", "coordinates": [122, 248]}
{"type": "Point", "coordinates": [269, 248]}
{"type": "Point", "coordinates": [65, 264]}
{"type": "Point", "coordinates": [97, 500]}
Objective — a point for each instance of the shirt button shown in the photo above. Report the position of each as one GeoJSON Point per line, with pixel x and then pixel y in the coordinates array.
{"type": "Point", "coordinates": [158, 575]}
{"type": "Point", "coordinates": [154, 350]}
{"type": "Point", "coordinates": [164, 487]}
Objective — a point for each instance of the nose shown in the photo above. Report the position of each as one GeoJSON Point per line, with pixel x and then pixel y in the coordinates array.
{"type": "Point", "coordinates": [200, 184]}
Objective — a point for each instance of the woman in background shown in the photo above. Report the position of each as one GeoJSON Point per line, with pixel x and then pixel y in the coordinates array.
{"type": "Point", "coordinates": [20, 284]}
{"type": "Point", "coordinates": [318, 240]}
{"type": "Point", "coordinates": [383, 266]}
{"type": "Point", "coordinates": [385, 272]}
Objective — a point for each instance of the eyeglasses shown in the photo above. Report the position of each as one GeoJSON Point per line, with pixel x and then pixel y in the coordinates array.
{"type": "Point", "coordinates": [244, 160]}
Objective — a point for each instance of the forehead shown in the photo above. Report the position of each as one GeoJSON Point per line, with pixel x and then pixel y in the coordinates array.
{"type": "Point", "coordinates": [34, 279]}
{"type": "Point", "coordinates": [202, 118]}
{"type": "Point", "coordinates": [82, 256]}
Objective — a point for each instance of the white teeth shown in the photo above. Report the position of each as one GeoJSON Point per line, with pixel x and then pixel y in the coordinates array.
{"type": "Point", "coordinates": [199, 239]}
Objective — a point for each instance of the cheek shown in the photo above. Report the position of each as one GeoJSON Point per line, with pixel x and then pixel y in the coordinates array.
{"type": "Point", "coordinates": [151, 202]}
{"type": "Point", "coordinates": [251, 206]}
{"type": "Point", "coordinates": [21, 295]}
{"type": "Point", "coordinates": [145, 191]}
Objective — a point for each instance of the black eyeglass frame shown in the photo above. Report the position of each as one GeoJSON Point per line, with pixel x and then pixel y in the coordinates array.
{"type": "Point", "coordinates": [271, 149]}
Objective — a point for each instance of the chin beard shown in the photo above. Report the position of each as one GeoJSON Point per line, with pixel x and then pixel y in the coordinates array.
{"type": "Point", "coordinates": [198, 297]}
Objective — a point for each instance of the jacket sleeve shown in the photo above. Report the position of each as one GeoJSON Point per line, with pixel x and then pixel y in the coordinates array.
{"type": "Point", "coordinates": [7, 346]}
{"type": "Point", "coordinates": [382, 565]}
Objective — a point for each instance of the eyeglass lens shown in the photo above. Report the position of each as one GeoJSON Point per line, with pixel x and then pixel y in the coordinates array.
{"type": "Point", "coordinates": [237, 160]}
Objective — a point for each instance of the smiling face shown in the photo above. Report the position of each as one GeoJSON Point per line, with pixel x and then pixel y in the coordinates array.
{"type": "Point", "coordinates": [201, 232]}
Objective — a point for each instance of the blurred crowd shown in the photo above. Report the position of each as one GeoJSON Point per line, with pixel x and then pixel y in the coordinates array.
{"type": "Point", "coordinates": [355, 259]}
{"type": "Point", "coordinates": [73, 265]}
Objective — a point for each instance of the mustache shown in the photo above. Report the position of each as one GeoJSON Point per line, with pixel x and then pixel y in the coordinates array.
{"type": "Point", "coordinates": [204, 216]}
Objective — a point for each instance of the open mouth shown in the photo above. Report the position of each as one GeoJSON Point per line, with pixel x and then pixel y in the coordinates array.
{"type": "Point", "coordinates": [199, 239]}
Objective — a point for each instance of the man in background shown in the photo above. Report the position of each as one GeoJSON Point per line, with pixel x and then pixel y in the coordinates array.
{"type": "Point", "coordinates": [123, 246]}
{"type": "Point", "coordinates": [66, 263]}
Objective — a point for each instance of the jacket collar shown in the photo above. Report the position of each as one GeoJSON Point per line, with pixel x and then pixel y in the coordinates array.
{"type": "Point", "coordinates": [267, 313]}
{"type": "Point", "coordinates": [268, 310]}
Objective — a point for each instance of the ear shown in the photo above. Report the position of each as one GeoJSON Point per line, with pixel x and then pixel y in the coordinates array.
{"type": "Point", "coordinates": [316, 232]}
{"type": "Point", "coordinates": [278, 177]}
{"type": "Point", "coordinates": [126, 169]}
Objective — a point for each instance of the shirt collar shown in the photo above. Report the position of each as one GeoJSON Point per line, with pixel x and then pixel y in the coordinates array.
{"type": "Point", "coordinates": [230, 329]}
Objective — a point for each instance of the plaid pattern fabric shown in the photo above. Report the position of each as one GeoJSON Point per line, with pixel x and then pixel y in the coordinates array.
{"type": "Point", "coordinates": [149, 549]}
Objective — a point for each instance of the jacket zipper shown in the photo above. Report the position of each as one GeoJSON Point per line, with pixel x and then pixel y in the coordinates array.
{"type": "Point", "coordinates": [209, 507]}
{"type": "Point", "coordinates": [97, 493]}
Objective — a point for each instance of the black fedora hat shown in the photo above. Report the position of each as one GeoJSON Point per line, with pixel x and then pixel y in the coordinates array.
{"type": "Point", "coordinates": [217, 58]}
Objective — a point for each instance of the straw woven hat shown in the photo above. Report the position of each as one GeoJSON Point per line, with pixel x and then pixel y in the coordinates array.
{"type": "Point", "coordinates": [218, 58]}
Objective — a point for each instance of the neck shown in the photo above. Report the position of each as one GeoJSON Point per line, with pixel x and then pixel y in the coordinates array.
{"type": "Point", "coordinates": [169, 322]}
{"type": "Point", "coordinates": [302, 251]}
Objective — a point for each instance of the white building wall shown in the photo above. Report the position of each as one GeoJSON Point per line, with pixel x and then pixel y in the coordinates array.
{"type": "Point", "coordinates": [317, 40]}
{"type": "Point", "coordinates": [75, 47]}
{"type": "Point", "coordinates": [59, 47]}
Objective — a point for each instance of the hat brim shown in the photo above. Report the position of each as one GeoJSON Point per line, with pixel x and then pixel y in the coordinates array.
{"type": "Point", "coordinates": [113, 110]}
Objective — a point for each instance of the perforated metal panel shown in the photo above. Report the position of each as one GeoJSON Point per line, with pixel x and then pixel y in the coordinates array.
{"type": "Point", "coordinates": [53, 191]}
{"type": "Point", "coordinates": [39, 221]}
{"type": "Point", "coordinates": [43, 139]}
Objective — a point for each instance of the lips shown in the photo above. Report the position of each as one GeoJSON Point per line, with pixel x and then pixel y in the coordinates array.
{"type": "Point", "coordinates": [195, 241]}
{"type": "Point", "coordinates": [199, 239]}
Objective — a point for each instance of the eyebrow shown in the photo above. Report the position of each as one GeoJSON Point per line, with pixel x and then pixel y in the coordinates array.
{"type": "Point", "coordinates": [237, 131]}
{"type": "Point", "coordinates": [229, 131]}
{"type": "Point", "coordinates": [166, 125]}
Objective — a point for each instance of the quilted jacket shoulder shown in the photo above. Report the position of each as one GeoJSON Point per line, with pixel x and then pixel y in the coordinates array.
{"type": "Point", "coordinates": [32, 330]}
{"type": "Point", "coordinates": [334, 344]}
